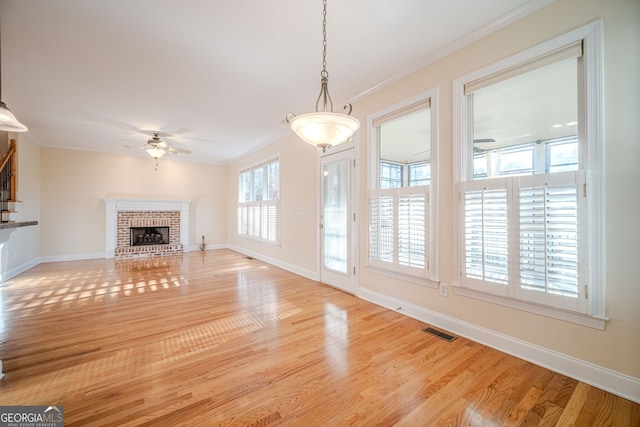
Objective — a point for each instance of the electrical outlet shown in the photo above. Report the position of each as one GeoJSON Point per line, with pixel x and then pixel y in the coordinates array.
{"type": "Point", "coordinates": [443, 290]}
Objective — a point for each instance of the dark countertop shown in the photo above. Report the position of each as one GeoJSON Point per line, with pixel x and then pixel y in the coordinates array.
{"type": "Point", "coordinates": [7, 225]}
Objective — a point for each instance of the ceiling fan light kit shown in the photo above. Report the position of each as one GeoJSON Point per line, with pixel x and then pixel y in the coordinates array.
{"type": "Point", "coordinates": [324, 128]}
{"type": "Point", "coordinates": [157, 148]}
{"type": "Point", "coordinates": [155, 152]}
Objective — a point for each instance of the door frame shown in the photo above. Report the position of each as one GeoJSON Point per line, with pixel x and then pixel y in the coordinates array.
{"type": "Point", "coordinates": [353, 263]}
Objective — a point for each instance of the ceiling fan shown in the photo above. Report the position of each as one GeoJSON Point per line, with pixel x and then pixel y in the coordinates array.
{"type": "Point", "coordinates": [157, 148]}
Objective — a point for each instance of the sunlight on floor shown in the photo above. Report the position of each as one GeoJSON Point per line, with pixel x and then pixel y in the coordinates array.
{"type": "Point", "coordinates": [91, 291]}
{"type": "Point", "coordinates": [151, 357]}
{"type": "Point", "coordinates": [336, 334]}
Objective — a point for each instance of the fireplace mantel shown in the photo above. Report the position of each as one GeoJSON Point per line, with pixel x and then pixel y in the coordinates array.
{"type": "Point", "coordinates": [113, 206]}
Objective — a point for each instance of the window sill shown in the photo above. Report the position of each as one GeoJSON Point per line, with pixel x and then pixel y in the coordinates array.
{"type": "Point", "coordinates": [422, 281]}
{"type": "Point", "coordinates": [595, 322]}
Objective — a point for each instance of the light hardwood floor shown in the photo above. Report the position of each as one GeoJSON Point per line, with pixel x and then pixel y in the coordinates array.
{"type": "Point", "coordinates": [213, 338]}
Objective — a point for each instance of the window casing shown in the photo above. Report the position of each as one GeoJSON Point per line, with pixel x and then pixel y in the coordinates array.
{"type": "Point", "coordinates": [400, 189]}
{"type": "Point", "coordinates": [259, 201]}
{"type": "Point", "coordinates": [528, 182]}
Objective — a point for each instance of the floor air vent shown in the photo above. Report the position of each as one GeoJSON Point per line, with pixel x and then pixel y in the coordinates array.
{"type": "Point", "coordinates": [439, 334]}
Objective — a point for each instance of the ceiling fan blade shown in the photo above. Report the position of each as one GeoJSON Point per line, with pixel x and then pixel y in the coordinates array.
{"type": "Point", "coordinates": [483, 144]}
{"type": "Point", "coordinates": [421, 152]}
{"type": "Point", "coordinates": [174, 150]}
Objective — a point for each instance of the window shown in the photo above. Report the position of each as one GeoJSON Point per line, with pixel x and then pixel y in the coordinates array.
{"type": "Point", "coordinates": [419, 173]}
{"type": "Point", "coordinates": [528, 139]}
{"type": "Point", "coordinates": [552, 155]}
{"type": "Point", "coordinates": [258, 202]}
{"type": "Point", "coordinates": [400, 181]}
{"type": "Point", "coordinates": [390, 175]}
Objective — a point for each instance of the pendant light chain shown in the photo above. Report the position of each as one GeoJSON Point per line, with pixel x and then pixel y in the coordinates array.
{"type": "Point", "coordinates": [324, 128]}
{"type": "Point", "coordinates": [324, 81]}
{"type": "Point", "coordinates": [324, 39]}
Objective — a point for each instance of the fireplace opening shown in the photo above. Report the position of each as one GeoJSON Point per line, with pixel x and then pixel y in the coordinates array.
{"type": "Point", "coordinates": [141, 236]}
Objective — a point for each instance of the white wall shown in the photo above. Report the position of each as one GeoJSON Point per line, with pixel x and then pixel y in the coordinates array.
{"type": "Point", "coordinates": [616, 348]}
{"type": "Point", "coordinates": [74, 184]}
{"type": "Point", "coordinates": [64, 190]}
{"type": "Point", "coordinates": [297, 250]}
{"type": "Point", "coordinates": [609, 358]}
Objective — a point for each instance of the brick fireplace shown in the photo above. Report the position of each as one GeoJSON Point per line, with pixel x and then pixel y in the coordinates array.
{"type": "Point", "coordinates": [123, 215]}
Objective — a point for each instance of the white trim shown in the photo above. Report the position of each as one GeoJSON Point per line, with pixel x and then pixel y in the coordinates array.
{"type": "Point", "coordinates": [548, 311]}
{"type": "Point", "coordinates": [506, 19]}
{"type": "Point", "coordinates": [584, 32]}
{"type": "Point", "coordinates": [9, 274]}
{"type": "Point", "coordinates": [433, 254]}
{"type": "Point", "coordinates": [113, 206]}
{"type": "Point", "coordinates": [347, 282]}
{"type": "Point", "coordinates": [431, 269]}
{"type": "Point", "coordinates": [591, 34]}
{"type": "Point", "coordinates": [73, 257]}
{"type": "Point", "coordinates": [422, 281]}
{"type": "Point", "coordinates": [312, 275]}
{"type": "Point", "coordinates": [272, 201]}
{"type": "Point", "coordinates": [593, 51]}
{"type": "Point", "coordinates": [611, 381]}
{"type": "Point", "coordinates": [97, 255]}
{"type": "Point", "coordinates": [208, 247]}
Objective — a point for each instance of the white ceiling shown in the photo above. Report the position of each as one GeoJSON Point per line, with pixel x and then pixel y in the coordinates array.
{"type": "Point", "coordinates": [216, 77]}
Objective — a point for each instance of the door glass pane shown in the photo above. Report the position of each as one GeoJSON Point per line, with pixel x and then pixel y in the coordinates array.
{"type": "Point", "coordinates": [335, 215]}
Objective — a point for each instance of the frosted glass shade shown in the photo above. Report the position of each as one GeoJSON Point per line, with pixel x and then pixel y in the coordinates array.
{"type": "Point", "coordinates": [8, 121]}
{"type": "Point", "coordinates": [156, 153]}
{"type": "Point", "coordinates": [324, 129]}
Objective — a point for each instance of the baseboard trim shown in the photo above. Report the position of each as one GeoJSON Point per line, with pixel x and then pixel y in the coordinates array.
{"type": "Point", "coordinates": [208, 247]}
{"type": "Point", "coordinates": [9, 274]}
{"type": "Point", "coordinates": [606, 379]}
{"type": "Point", "coordinates": [71, 257]}
{"type": "Point", "coordinates": [312, 275]}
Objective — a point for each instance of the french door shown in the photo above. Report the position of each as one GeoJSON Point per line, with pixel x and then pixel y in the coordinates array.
{"type": "Point", "coordinates": [338, 220]}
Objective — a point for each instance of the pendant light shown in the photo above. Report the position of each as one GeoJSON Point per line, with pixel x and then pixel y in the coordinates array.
{"type": "Point", "coordinates": [8, 121]}
{"type": "Point", "coordinates": [324, 128]}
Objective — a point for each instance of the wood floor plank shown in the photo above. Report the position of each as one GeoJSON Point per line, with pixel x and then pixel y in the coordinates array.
{"type": "Point", "coordinates": [214, 338]}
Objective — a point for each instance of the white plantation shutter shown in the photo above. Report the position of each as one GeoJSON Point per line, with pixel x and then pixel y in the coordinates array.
{"type": "Point", "coordinates": [269, 221]}
{"type": "Point", "coordinates": [242, 219]}
{"type": "Point", "coordinates": [486, 242]}
{"type": "Point", "coordinates": [254, 220]}
{"type": "Point", "coordinates": [258, 206]}
{"type": "Point", "coordinates": [382, 228]}
{"type": "Point", "coordinates": [412, 230]}
{"type": "Point", "coordinates": [550, 220]}
{"type": "Point", "coordinates": [551, 259]}
{"type": "Point", "coordinates": [521, 238]}
{"type": "Point", "coordinates": [398, 238]}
